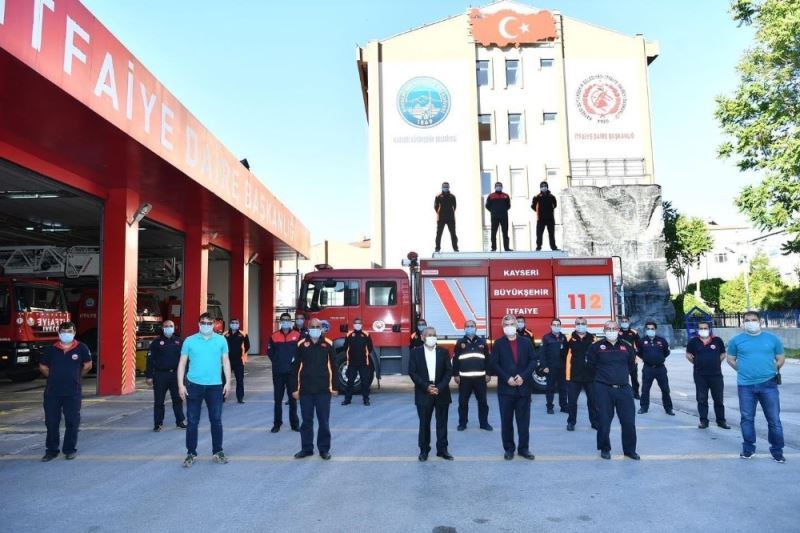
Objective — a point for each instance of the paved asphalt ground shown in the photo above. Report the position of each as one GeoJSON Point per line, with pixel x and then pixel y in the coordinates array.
{"type": "Point", "coordinates": [127, 478]}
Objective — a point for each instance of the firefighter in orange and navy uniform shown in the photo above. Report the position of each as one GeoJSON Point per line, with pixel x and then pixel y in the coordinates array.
{"type": "Point", "coordinates": [579, 375]}
{"type": "Point", "coordinates": [544, 205]}
{"type": "Point", "coordinates": [445, 206]}
{"type": "Point", "coordinates": [498, 204]}
{"type": "Point", "coordinates": [312, 383]}
{"type": "Point", "coordinates": [631, 336]}
{"type": "Point", "coordinates": [357, 348]}
{"type": "Point", "coordinates": [238, 346]}
{"type": "Point", "coordinates": [522, 331]}
{"type": "Point", "coordinates": [281, 350]}
{"type": "Point", "coordinates": [416, 338]}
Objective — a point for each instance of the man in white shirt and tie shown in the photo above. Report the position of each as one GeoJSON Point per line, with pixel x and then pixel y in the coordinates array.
{"type": "Point", "coordinates": [430, 369]}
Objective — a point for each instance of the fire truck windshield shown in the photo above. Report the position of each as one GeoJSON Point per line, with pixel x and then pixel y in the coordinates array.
{"type": "Point", "coordinates": [39, 298]}
{"type": "Point", "coordinates": [319, 294]}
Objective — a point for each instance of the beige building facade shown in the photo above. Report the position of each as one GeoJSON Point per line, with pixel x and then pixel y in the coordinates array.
{"type": "Point", "coordinates": [504, 93]}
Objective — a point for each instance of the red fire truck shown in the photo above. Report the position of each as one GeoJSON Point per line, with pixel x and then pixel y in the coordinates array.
{"type": "Point", "coordinates": [30, 312]}
{"type": "Point", "coordinates": [450, 288]}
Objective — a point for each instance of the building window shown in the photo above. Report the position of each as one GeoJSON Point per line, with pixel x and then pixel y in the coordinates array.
{"type": "Point", "coordinates": [521, 237]}
{"type": "Point", "coordinates": [548, 117]}
{"type": "Point", "coordinates": [545, 63]}
{"type": "Point", "coordinates": [381, 293]}
{"type": "Point", "coordinates": [485, 127]}
{"type": "Point", "coordinates": [487, 238]}
{"type": "Point", "coordinates": [519, 182]}
{"type": "Point", "coordinates": [483, 73]}
{"type": "Point", "coordinates": [514, 126]}
{"type": "Point", "coordinates": [512, 73]}
{"type": "Point", "coordinates": [721, 258]}
{"type": "Point", "coordinates": [486, 181]}
{"type": "Point", "coordinates": [550, 174]}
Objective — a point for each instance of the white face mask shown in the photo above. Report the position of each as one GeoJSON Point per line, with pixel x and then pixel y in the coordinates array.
{"type": "Point", "coordinates": [580, 328]}
{"type": "Point", "coordinates": [520, 325]}
{"type": "Point", "coordinates": [430, 342]}
{"type": "Point", "coordinates": [206, 329]}
{"type": "Point", "coordinates": [510, 331]}
{"type": "Point", "coordinates": [314, 333]}
{"type": "Point", "coordinates": [66, 338]}
{"type": "Point", "coordinates": [611, 336]}
{"type": "Point", "coordinates": [703, 333]}
{"type": "Point", "coordinates": [650, 332]}
{"type": "Point", "coordinates": [168, 331]}
{"type": "Point", "coordinates": [624, 325]}
{"type": "Point", "coordinates": [234, 327]}
{"type": "Point", "coordinates": [358, 327]}
{"type": "Point", "coordinates": [555, 329]}
{"type": "Point", "coordinates": [752, 327]}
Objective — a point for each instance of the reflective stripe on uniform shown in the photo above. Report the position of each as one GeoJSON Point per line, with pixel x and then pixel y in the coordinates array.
{"type": "Point", "coordinates": [477, 373]}
{"type": "Point", "coordinates": [471, 356]}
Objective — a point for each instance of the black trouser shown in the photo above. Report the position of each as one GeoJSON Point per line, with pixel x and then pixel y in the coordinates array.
{"type": "Point", "coordinates": [321, 404]}
{"type": "Point", "coordinates": [519, 408]}
{"type": "Point", "coordinates": [466, 387]}
{"type": "Point", "coordinates": [574, 389]}
{"type": "Point", "coordinates": [550, 224]}
{"type": "Point", "coordinates": [702, 385]}
{"type": "Point", "coordinates": [425, 413]}
{"type": "Point", "coordinates": [609, 398]}
{"type": "Point", "coordinates": [363, 372]}
{"type": "Point", "coordinates": [238, 372]}
{"type": "Point", "coordinates": [163, 381]}
{"type": "Point", "coordinates": [280, 384]}
{"type": "Point", "coordinates": [556, 382]}
{"type": "Point", "coordinates": [503, 223]}
{"type": "Point", "coordinates": [451, 226]}
{"type": "Point", "coordinates": [53, 407]}
{"type": "Point", "coordinates": [658, 373]}
{"type": "Point", "coordinates": [635, 379]}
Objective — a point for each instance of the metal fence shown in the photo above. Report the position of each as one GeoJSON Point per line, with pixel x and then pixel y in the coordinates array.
{"type": "Point", "coordinates": [789, 318]}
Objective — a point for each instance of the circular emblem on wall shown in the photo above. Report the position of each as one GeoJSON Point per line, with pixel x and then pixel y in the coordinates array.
{"type": "Point", "coordinates": [90, 302]}
{"type": "Point", "coordinates": [601, 98]}
{"type": "Point", "coordinates": [378, 325]}
{"type": "Point", "coordinates": [423, 102]}
{"type": "Point", "coordinates": [20, 321]}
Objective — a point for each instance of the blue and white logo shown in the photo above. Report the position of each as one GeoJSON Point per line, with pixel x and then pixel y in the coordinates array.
{"type": "Point", "coordinates": [423, 102]}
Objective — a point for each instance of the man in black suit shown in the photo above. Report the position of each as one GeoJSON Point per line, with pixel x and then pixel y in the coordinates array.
{"type": "Point", "coordinates": [514, 360]}
{"type": "Point", "coordinates": [430, 369]}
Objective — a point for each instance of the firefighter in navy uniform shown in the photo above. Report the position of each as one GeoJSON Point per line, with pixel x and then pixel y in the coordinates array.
{"type": "Point", "coordinates": [299, 324]}
{"type": "Point", "coordinates": [281, 350]}
{"type": "Point", "coordinates": [238, 345]}
{"type": "Point", "coordinates": [631, 337]}
{"type": "Point", "coordinates": [416, 338]}
{"type": "Point", "coordinates": [163, 357]}
{"type": "Point", "coordinates": [579, 374]}
{"type": "Point", "coordinates": [312, 383]}
{"type": "Point", "coordinates": [498, 204]}
{"type": "Point", "coordinates": [357, 349]}
{"type": "Point", "coordinates": [653, 351]}
{"type": "Point", "coordinates": [554, 348]}
{"type": "Point", "coordinates": [470, 365]}
{"type": "Point", "coordinates": [522, 331]}
{"type": "Point", "coordinates": [612, 360]}
{"type": "Point", "coordinates": [63, 364]}
{"type": "Point", "coordinates": [544, 205]}
{"type": "Point", "coordinates": [445, 206]}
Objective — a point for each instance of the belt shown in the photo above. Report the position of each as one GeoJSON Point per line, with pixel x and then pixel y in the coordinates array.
{"type": "Point", "coordinates": [165, 370]}
{"type": "Point", "coordinates": [654, 366]}
{"type": "Point", "coordinates": [612, 386]}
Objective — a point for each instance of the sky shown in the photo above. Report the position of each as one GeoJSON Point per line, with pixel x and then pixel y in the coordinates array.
{"type": "Point", "coordinates": [276, 82]}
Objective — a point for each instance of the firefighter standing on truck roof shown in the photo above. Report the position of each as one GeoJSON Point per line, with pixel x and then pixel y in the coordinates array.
{"type": "Point", "coordinates": [470, 362]}
{"type": "Point", "coordinates": [445, 206]}
{"type": "Point", "coordinates": [544, 204]}
{"type": "Point", "coordinates": [498, 204]}
{"type": "Point", "coordinates": [357, 349]}
{"type": "Point", "coordinates": [631, 337]}
{"type": "Point", "coordinates": [416, 337]}
{"type": "Point", "coordinates": [238, 346]}
{"type": "Point", "coordinates": [163, 357]}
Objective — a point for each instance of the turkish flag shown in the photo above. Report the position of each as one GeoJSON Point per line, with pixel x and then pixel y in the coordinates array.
{"type": "Point", "coordinates": [509, 27]}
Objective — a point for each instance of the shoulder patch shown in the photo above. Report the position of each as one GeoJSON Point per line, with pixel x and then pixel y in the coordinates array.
{"type": "Point", "coordinates": [602, 346]}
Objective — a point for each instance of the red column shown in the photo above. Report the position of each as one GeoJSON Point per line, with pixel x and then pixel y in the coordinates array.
{"type": "Point", "coordinates": [239, 283]}
{"type": "Point", "coordinates": [117, 341]}
{"type": "Point", "coordinates": [195, 278]}
{"type": "Point", "coordinates": [266, 302]}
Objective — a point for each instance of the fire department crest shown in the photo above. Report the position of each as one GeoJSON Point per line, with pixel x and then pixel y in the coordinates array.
{"type": "Point", "coordinates": [74, 357]}
{"type": "Point", "coordinates": [378, 326]}
{"type": "Point", "coordinates": [423, 102]}
{"type": "Point", "coordinates": [600, 98]}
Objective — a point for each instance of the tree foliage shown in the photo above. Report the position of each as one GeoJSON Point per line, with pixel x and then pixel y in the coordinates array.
{"type": "Point", "coordinates": [767, 290]}
{"type": "Point", "coordinates": [709, 290]}
{"type": "Point", "coordinates": [686, 241]}
{"type": "Point", "coordinates": [762, 116]}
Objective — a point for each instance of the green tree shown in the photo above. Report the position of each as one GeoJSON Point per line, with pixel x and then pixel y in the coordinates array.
{"type": "Point", "coordinates": [686, 240]}
{"type": "Point", "coordinates": [767, 290]}
{"type": "Point", "coordinates": [762, 117]}
{"type": "Point", "coordinates": [709, 290]}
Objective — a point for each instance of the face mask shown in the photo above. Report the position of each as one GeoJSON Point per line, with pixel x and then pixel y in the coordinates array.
{"type": "Point", "coordinates": [520, 325]}
{"type": "Point", "coordinates": [421, 327]}
{"type": "Point", "coordinates": [704, 333]}
{"type": "Point", "coordinates": [234, 327]}
{"type": "Point", "coordinates": [358, 327]}
{"type": "Point", "coordinates": [469, 332]}
{"type": "Point", "coordinates": [580, 328]}
{"type": "Point", "coordinates": [509, 331]}
{"type": "Point", "coordinates": [543, 189]}
{"type": "Point", "coordinates": [445, 190]}
{"type": "Point", "coordinates": [168, 331]}
{"type": "Point", "coordinates": [624, 325]}
{"type": "Point", "coordinates": [430, 342]}
{"type": "Point", "coordinates": [555, 329]}
{"type": "Point", "coordinates": [299, 322]}
{"type": "Point", "coordinates": [752, 327]}
{"type": "Point", "coordinates": [611, 336]}
{"type": "Point", "coordinates": [498, 189]}
{"type": "Point", "coordinates": [66, 338]}
{"type": "Point", "coordinates": [325, 328]}
{"type": "Point", "coordinates": [206, 329]}
{"type": "Point", "coordinates": [650, 333]}
{"type": "Point", "coordinates": [314, 333]}
{"type": "Point", "coordinates": [285, 324]}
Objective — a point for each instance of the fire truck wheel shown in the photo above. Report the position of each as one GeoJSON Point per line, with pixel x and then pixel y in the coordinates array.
{"type": "Point", "coordinates": [20, 376]}
{"type": "Point", "coordinates": [341, 377]}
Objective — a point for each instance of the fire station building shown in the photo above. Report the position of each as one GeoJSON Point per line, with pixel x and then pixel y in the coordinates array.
{"type": "Point", "coordinates": [109, 184]}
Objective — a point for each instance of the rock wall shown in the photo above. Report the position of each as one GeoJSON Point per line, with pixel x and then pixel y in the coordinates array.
{"type": "Point", "coordinates": [626, 221]}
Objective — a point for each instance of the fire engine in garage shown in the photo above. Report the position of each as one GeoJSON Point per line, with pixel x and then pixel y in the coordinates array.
{"type": "Point", "coordinates": [449, 289]}
{"type": "Point", "coordinates": [30, 312]}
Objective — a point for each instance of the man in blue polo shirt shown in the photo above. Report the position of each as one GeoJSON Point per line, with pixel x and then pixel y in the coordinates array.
{"type": "Point", "coordinates": [207, 354]}
{"type": "Point", "coordinates": [757, 357]}
{"type": "Point", "coordinates": [63, 364]}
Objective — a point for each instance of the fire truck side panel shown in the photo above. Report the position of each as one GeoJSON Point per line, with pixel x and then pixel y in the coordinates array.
{"type": "Point", "coordinates": [447, 302]}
